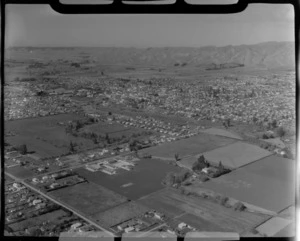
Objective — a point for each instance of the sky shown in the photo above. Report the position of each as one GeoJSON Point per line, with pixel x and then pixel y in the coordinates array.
{"type": "Point", "coordinates": [39, 25]}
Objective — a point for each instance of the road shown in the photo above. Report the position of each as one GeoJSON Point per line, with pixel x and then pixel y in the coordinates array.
{"type": "Point", "coordinates": [59, 203]}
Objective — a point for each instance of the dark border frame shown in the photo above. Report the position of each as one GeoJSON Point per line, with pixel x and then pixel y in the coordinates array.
{"type": "Point", "coordinates": [117, 7]}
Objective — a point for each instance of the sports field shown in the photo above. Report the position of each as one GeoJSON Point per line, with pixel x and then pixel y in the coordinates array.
{"type": "Point", "coordinates": [236, 155]}
{"type": "Point", "coordinates": [211, 212]}
{"type": "Point", "coordinates": [44, 135]}
{"type": "Point", "coordinates": [146, 177]}
{"type": "Point", "coordinates": [190, 146]}
{"type": "Point", "coordinates": [88, 198]}
{"type": "Point", "coordinates": [268, 183]}
{"type": "Point", "coordinates": [119, 214]}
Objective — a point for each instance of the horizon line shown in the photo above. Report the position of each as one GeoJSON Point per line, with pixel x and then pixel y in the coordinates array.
{"type": "Point", "coordinates": [149, 47]}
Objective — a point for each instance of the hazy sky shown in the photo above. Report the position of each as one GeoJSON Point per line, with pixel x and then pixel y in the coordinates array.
{"type": "Point", "coordinates": [39, 25]}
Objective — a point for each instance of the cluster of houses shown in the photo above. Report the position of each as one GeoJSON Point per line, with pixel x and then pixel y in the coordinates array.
{"type": "Point", "coordinates": [220, 99]}
{"type": "Point", "coordinates": [57, 180]}
{"type": "Point", "coordinates": [180, 229]}
{"type": "Point", "coordinates": [20, 105]}
{"type": "Point", "coordinates": [148, 220]}
{"type": "Point", "coordinates": [162, 131]}
{"type": "Point", "coordinates": [20, 201]}
{"type": "Point", "coordinates": [21, 204]}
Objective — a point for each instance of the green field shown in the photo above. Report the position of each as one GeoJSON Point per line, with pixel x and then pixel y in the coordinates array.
{"type": "Point", "coordinates": [236, 155]}
{"type": "Point", "coordinates": [119, 214]}
{"type": "Point", "coordinates": [190, 146]}
{"type": "Point", "coordinates": [88, 198]}
{"type": "Point", "coordinates": [20, 172]}
{"type": "Point", "coordinates": [44, 136]}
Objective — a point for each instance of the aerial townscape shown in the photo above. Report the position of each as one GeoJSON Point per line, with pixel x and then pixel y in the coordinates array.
{"type": "Point", "coordinates": [126, 140]}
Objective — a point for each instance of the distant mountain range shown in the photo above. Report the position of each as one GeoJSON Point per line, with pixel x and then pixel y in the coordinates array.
{"type": "Point", "coordinates": [265, 55]}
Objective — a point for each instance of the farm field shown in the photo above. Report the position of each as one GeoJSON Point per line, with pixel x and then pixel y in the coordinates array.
{"type": "Point", "coordinates": [44, 136]}
{"type": "Point", "coordinates": [215, 213]}
{"type": "Point", "coordinates": [268, 183]}
{"type": "Point", "coordinates": [190, 146]}
{"type": "Point", "coordinates": [236, 155]}
{"type": "Point", "coordinates": [88, 198]}
{"type": "Point", "coordinates": [146, 177]}
{"type": "Point", "coordinates": [119, 214]}
{"type": "Point", "coordinates": [161, 205]}
{"type": "Point", "coordinates": [20, 172]}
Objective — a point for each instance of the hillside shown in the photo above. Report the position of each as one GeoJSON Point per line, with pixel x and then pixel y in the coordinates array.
{"type": "Point", "coordinates": [265, 55]}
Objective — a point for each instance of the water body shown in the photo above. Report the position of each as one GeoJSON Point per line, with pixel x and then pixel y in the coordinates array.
{"type": "Point", "coordinates": [146, 178]}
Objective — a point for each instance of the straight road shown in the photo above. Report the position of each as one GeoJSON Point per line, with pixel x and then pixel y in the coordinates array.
{"type": "Point", "coordinates": [59, 203]}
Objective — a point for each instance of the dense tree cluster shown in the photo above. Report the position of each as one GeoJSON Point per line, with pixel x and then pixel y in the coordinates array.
{"type": "Point", "coordinates": [176, 178]}
{"type": "Point", "coordinates": [200, 164]}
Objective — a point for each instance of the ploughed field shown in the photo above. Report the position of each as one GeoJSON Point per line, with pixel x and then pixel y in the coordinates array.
{"type": "Point", "coordinates": [88, 198]}
{"type": "Point", "coordinates": [119, 214]}
{"type": "Point", "coordinates": [174, 204]}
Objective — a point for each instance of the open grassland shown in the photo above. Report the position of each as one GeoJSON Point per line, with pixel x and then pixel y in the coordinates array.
{"type": "Point", "coordinates": [44, 135]}
{"type": "Point", "coordinates": [119, 214]}
{"type": "Point", "coordinates": [88, 198]}
{"type": "Point", "coordinates": [190, 146]}
{"type": "Point", "coordinates": [215, 213]}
